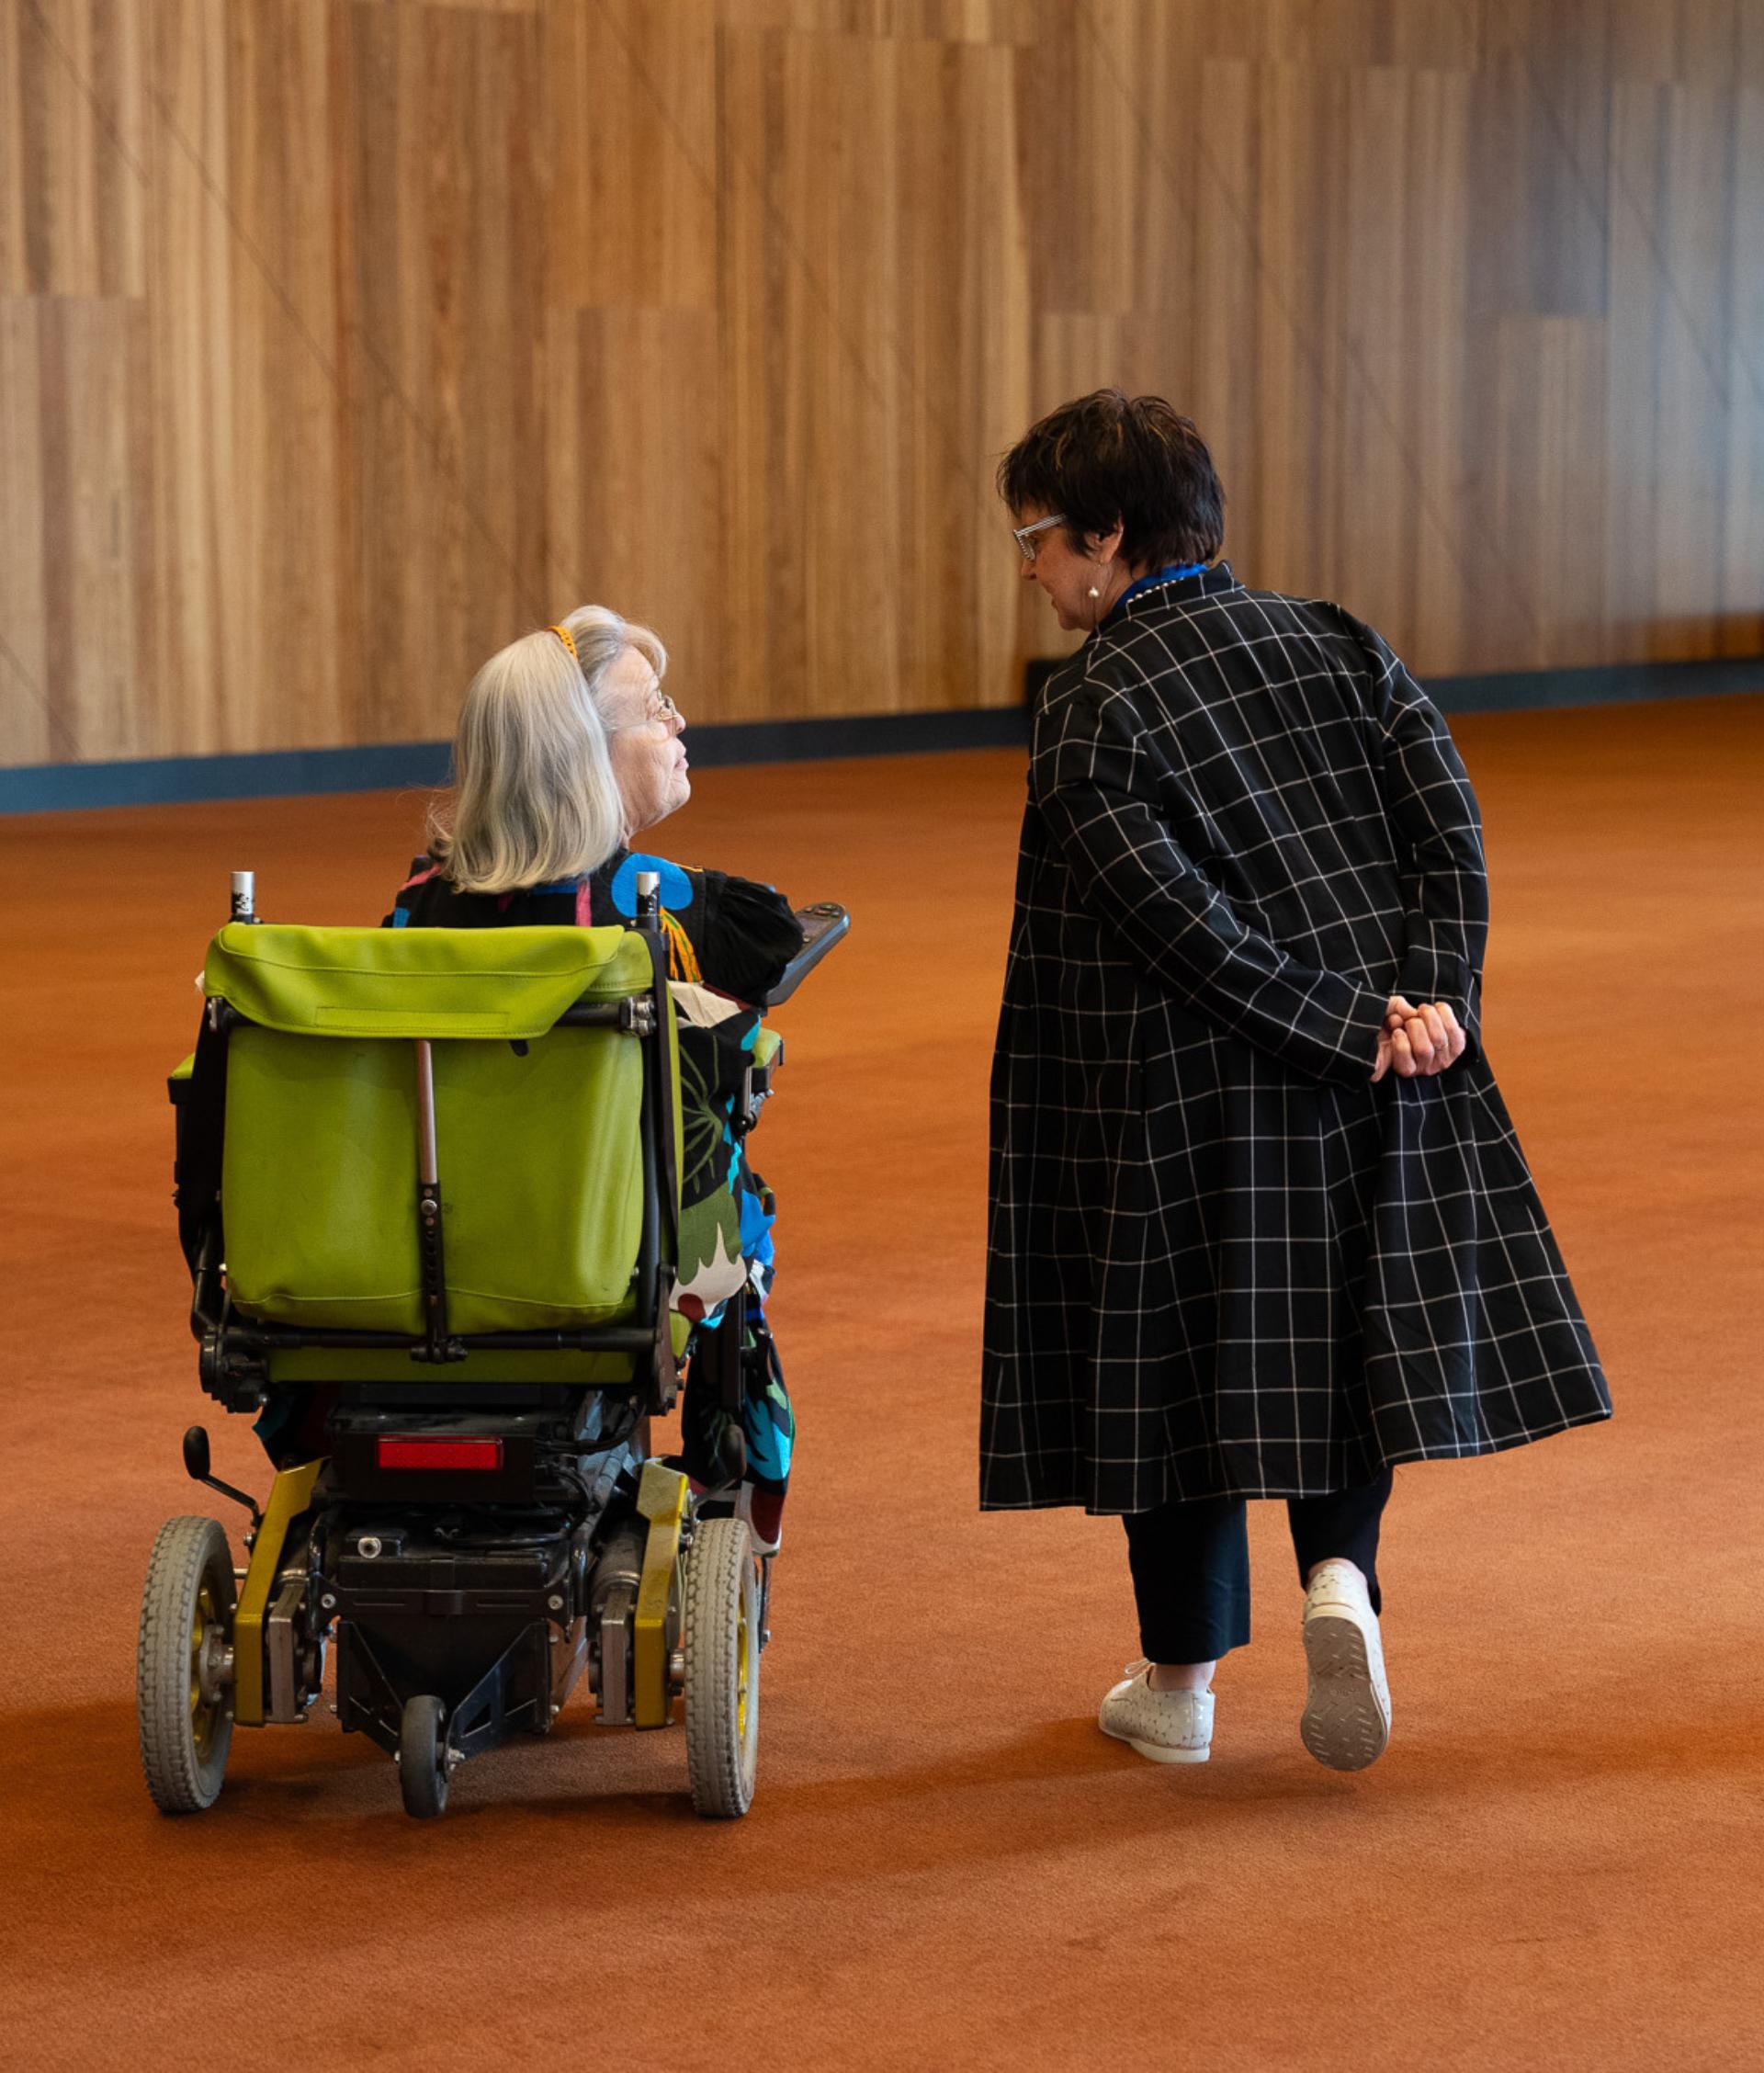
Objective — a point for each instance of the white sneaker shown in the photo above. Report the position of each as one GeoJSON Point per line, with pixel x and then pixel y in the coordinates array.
{"type": "Point", "coordinates": [1346, 1722]}
{"type": "Point", "coordinates": [1167, 1727]}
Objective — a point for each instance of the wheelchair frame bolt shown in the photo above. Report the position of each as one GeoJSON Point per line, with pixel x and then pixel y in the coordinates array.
{"type": "Point", "coordinates": [328, 1601]}
{"type": "Point", "coordinates": [555, 1602]}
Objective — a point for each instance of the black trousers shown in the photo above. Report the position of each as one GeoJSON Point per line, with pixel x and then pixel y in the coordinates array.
{"type": "Point", "coordinates": [1190, 1563]}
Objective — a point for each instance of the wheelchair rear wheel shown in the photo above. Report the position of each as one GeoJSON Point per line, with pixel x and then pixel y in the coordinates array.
{"type": "Point", "coordinates": [723, 1648]}
{"type": "Point", "coordinates": [183, 1665]}
{"type": "Point", "coordinates": [423, 1766]}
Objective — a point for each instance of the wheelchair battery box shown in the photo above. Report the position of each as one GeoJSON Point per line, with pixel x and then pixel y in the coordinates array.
{"type": "Point", "coordinates": [422, 1578]}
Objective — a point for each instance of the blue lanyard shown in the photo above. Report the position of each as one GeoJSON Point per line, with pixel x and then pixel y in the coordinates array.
{"type": "Point", "coordinates": [1152, 582]}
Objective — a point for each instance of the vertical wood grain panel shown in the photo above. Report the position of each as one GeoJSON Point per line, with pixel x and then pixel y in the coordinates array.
{"type": "Point", "coordinates": [445, 305]}
{"type": "Point", "coordinates": [1287, 527]}
{"type": "Point", "coordinates": [343, 340]}
{"type": "Point", "coordinates": [1742, 629]}
{"type": "Point", "coordinates": [632, 478]}
{"type": "Point", "coordinates": [204, 639]}
{"type": "Point", "coordinates": [1668, 431]}
{"type": "Point", "coordinates": [286, 483]}
{"type": "Point", "coordinates": [15, 28]}
{"type": "Point", "coordinates": [629, 98]}
{"type": "Point", "coordinates": [33, 729]}
{"type": "Point", "coordinates": [70, 116]}
{"type": "Point", "coordinates": [97, 548]}
{"type": "Point", "coordinates": [1403, 385]}
{"type": "Point", "coordinates": [1545, 390]}
{"type": "Point", "coordinates": [868, 388]}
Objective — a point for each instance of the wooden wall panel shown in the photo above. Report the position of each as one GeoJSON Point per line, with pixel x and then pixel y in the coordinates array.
{"type": "Point", "coordinates": [869, 385]}
{"type": "Point", "coordinates": [341, 340]}
{"type": "Point", "coordinates": [72, 74]}
{"type": "Point", "coordinates": [1743, 352]}
{"type": "Point", "coordinates": [97, 542]}
{"type": "Point", "coordinates": [1669, 397]}
{"type": "Point", "coordinates": [630, 93]}
{"type": "Point", "coordinates": [442, 327]}
{"type": "Point", "coordinates": [632, 479]}
{"type": "Point", "coordinates": [32, 729]}
{"type": "Point", "coordinates": [244, 422]}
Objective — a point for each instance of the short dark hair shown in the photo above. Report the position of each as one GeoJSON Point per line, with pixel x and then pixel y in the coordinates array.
{"type": "Point", "coordinates": [1109, 456]}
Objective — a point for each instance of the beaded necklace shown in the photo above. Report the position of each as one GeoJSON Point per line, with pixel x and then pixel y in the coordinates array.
{"type": "Point", "coordinates": [1160, 579]}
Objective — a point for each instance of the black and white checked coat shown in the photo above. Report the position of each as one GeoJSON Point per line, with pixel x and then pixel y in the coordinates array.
{"type": "Point", "coordinates": [1221, 1261]}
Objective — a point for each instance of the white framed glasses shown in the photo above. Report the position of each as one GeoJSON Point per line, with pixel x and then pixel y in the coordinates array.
{"type": "Point", "coordinates": [1028, 538]}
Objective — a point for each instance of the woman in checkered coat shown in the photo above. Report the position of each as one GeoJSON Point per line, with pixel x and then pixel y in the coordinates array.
{"type": "Point", "coordinates": [1259, 1225]}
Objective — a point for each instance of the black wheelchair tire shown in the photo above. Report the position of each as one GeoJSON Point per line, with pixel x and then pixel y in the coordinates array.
{"type": "Point", "coordinates": [423, 1757]}
{"type": "Point", "coordinates": [184, 1741]}
{"type": "Point", "coordinates": [722, 1649]}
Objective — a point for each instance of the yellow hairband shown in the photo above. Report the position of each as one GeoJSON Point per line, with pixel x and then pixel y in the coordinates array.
{"type": "Point", "coordinates": [564, 635]}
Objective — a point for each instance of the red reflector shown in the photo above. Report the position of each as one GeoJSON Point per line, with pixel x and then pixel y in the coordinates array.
{"type": "Point", "coordinates": [439, 1453]}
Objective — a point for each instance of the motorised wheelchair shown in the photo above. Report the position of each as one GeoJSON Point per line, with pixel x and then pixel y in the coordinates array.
{"type": "Point", "coordinates": [426, 1187]}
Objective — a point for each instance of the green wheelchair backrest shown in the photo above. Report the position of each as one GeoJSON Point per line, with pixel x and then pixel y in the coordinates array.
{"type": "Point", "coordinates": [537, 1127]}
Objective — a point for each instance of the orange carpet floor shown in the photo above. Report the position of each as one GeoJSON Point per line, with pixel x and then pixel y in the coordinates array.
{"type": "Point", "coordinates": [1557, 1866]}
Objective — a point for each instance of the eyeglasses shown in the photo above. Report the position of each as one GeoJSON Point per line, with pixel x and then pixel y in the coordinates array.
{"type": "Point", "coordinates": [658, 710]}
{"type": "Point", "coordinates": [1025, 535]}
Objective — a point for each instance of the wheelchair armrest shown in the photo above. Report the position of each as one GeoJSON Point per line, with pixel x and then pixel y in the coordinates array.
{"type": "Point", "coordinates": [822, 925]}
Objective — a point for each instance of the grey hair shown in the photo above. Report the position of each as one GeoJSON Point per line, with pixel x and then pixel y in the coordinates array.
{"type": "Point", "coordinates": [534, 797]}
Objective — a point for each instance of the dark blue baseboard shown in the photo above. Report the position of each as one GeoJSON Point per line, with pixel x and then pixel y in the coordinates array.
{"type": "Point", "coordinates": [421, 765]}
{"type": "Point", "coordinates": [1603, 683]}
{"type": "Point", "coordinates": [1606, 684]}
{"type": "Point", "coordinates": [276, 773]}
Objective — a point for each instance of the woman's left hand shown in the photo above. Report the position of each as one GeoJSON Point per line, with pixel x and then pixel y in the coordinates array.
{"type": "Point", "coordinates": [1419, 1042]}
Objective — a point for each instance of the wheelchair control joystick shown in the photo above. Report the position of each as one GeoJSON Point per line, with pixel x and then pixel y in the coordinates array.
{"type": "Point", "coordinates": [196, 1465]}
{"type": "Point", "coordinates": [244, 897]}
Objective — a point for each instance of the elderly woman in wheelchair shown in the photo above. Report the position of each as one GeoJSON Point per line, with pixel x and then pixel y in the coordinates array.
{"type": "Point", "coordinates": [457, 1205]}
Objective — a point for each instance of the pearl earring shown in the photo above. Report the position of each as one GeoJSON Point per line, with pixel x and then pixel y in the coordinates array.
{"type": "Point", "coordinates": [1094, 592]}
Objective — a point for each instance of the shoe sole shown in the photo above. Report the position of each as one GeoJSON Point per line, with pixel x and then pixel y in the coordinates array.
{"type": "Point", "coordinates": [1156, 1752]}
{"type": "Point", "coordinates": [1343, 1725]}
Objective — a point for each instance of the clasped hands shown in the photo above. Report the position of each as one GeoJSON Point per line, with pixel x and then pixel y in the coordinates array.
{"type": "Point", "coordinates": [1417, 1042]}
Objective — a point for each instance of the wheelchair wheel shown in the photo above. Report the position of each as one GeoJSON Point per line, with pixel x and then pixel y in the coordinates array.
{"type": "Point", "coordinates": [722, 1637]}
{"type": "Point", "coordinates": [423, 1766]}
{"type": "Point", "coordinates": [183, 1665]}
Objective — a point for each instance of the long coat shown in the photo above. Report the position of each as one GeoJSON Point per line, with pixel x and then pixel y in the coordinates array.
{"type": "Point", "coordinates": [1221, 1260]}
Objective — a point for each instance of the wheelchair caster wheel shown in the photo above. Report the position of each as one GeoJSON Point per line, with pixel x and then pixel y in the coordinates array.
{"type": "Point", "coordinates": [424, 1761]}
{"type": "Point", "coordinates": [723, 1624]}
{"type": "Point", "coordinates": [183, 1665]}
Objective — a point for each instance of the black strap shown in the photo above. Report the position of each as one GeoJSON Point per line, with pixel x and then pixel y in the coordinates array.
{"type": "Point", "coordinates": [201, 1131]}
{"type": "Point", "coordinates": [664, 1099]}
